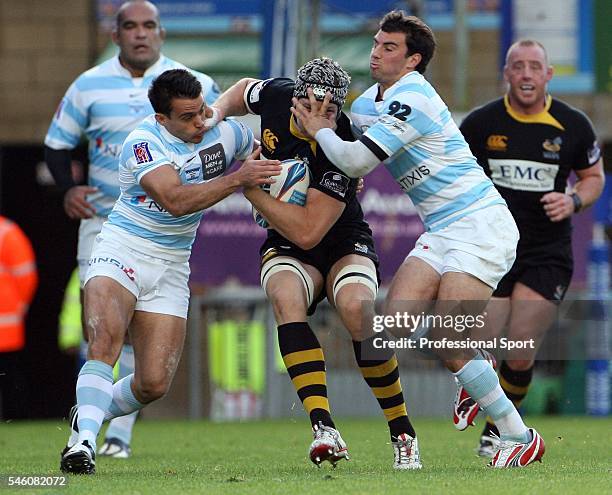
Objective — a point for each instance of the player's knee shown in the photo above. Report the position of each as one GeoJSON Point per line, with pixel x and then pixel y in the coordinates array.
{"type": "Point", "coordinates": [103, 345]}
{"type": "Point", "coordinates": [351, 311]}
{"type": "Point", "coordinates": [151, 389]}
{"type": "Point", "coordinates": [287, 304]}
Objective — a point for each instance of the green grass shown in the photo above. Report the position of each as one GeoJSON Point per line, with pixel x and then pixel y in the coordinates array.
{"type": "Point", "coordinates": [271, 457]}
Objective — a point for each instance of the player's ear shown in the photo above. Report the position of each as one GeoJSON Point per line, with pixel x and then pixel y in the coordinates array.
{"type": "Point", "coordinates": [413, 60]}
{"type": "Point", "coordinates": [115, 36]}
{"type": "Point", "coordinates": [161, 118]}
{"type": "Point", "coordinates": [549, 72]}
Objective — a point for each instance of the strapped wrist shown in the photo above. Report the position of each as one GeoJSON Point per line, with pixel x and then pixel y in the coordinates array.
{"type": "Point", "coordinates": [577, 202]}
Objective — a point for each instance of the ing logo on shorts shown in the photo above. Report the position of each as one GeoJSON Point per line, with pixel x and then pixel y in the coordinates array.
{"type": "Point", "coordinates": [130, 273]}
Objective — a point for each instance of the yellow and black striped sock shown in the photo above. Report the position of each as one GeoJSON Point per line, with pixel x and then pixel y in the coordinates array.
{"type": "Point", "coordinates": [380, 371]}
{"type": "Point", "coordinates": [305, 364]}
{"type": "Point", "coordinates": [515, 384]}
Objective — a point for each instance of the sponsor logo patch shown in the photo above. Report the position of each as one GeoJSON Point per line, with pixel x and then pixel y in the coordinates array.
{"type": "Point", "coordinates": [214, 162]}
{"type": "Point", "coordinates": [269, 139]}
{"type": "Point", "coordinates": [192, 173]}
{"type": "Point", "coordinates": [594, 154]}
{"type": "Point", "coordinates": [129, 272]}
{"type": "Point", "coordinates": [552, 148]}
{"type": "Point", "coordinates": [335, 182]}
{"type": "Point", "coordinates": [362, 248]}
{"type": "Point", "coordinates": [497, 142]}
{"type": "Point", "coordinates": [413, 176]}
{"type": "Point", "coordinates": [254, 93]}
{"type": "Point", "coordinates": [523, 175]}
{"type": "Point", "coordinates": [142, 153]}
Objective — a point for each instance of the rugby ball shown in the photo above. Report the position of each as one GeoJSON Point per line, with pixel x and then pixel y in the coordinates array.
{"type": "Point", "coordinates": [291, 186]}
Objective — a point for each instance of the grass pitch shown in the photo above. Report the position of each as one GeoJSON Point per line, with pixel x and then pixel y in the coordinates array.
{"type": "Point", "coordinates": [271, 457]}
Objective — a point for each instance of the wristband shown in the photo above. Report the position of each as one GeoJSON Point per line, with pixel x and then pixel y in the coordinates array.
{"type": "Point", "coordinates": [577, 202]}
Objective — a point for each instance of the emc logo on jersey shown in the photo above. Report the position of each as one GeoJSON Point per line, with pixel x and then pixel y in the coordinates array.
{"type": "Point", "coordinates": [497, 142]}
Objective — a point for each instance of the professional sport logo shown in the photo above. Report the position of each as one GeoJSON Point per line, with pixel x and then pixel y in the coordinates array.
{"type": "Point", "coordinates": [497, 142]}
{"type": "Point", "coordinates": [269, 139]}
{"type": "Point", "coordinates": [142, 153]}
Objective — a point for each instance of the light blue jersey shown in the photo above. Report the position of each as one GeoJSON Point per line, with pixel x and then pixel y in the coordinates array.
{"type": "Point", "coordinates": [412, 132]}
{"type": "Point", "coordinates": [105, 104]}
{"type": "Point", "coordinates": [151, 146]}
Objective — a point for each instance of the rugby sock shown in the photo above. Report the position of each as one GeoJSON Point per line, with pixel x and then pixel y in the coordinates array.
{"type": "Point", "coordinates": [305, 364]}
{"type": "Point", "coordinates": [122, 426]}
{"type": "Point", "coordinates": [515, 384]}
{"type": "Point", "coordinates": [124, 402]}
{"type": "Point", "coordinates": [380, 371]}
{"type": "Point", "coordinates": [94, 392]}
{"type": "Point", "coordinates": [481, 382]}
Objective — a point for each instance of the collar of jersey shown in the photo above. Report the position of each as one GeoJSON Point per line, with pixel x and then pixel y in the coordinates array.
{"type": "Point", "coordinates": [293, 128]}
{"type": "Point", "coordinates": [543, 117]}
{"type": "Point", "coordinates": [395, 85]}
{"type": "Point", "coordinates": [171, 138]}
{"type": "Point", "coordinates": [122, 71]}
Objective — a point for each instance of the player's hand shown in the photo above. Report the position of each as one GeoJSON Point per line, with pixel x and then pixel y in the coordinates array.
{"type": "Point", "coordinates": [76, 205]}
{"type": "Point", "coordinates": [360, 184]}
{"type": "Point", "coordinates": [213, 116]}
{"type": "Point", "coordinates": [558, 206]}
{"type": "Point", "coordinates": [315, 118]}
{"type": "Point", "coordinates": [256, 172]}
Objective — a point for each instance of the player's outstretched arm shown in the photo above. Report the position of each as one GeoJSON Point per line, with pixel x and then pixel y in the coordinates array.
{"type": "Point", "coordinates": [230, 103]}
{"type": "Point", "coordinates": [164, 185]}
{"type": "Point", "coordinates": [306, 225]}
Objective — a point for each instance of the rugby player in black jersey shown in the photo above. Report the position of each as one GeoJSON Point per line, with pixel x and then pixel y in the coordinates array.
{"type": "Point", "coordinates": [323, 249]}
{"type": "Point", "coordinates": [528, 143]}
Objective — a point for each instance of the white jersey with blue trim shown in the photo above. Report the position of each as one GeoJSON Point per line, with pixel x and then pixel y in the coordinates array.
{"type": "Point", "coordinates": [149, 146]}
{"type": "Point", "coordinates": [412, 132]}
{"type": "Point", "coordinates": [105, 104]}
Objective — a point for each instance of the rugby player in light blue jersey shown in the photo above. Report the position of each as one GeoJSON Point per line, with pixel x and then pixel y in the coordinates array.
{"type": "Point", "coordinates": [105, 104]}
{"type": "Point", "coordinates": [171, 168]}
{"type": "Point", "coordinates": [470, 239]}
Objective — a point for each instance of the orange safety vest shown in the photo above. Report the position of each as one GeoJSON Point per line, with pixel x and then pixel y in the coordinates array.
{"type": "Point", "coordinates": [18, 280]}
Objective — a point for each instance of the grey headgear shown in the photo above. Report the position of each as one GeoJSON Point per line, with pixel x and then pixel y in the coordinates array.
{"type": "Point", "coordinates": [322, 75]}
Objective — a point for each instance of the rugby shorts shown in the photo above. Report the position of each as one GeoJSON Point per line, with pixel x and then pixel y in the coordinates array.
{"type": "Point", "coordinates": [482, 244]}
{"type": "Point", "coordinates": [159, 285]}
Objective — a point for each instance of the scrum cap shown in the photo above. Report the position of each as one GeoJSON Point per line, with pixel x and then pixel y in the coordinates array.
{"type": "Point", "coordinates": [322, 74]}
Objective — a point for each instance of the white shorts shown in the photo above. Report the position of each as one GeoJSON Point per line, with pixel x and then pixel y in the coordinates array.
{"type": "Point", "coordinates": [89, 228]}
{"type": "Point", "coordinates": [482, 244]}
{"type": "Point", "coordinates": [159, 285]}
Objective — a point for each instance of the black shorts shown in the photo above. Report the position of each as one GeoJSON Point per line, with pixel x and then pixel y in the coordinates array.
{"type": "Point", "coordinates": [323, 256]}
{"type": "Point", "coordinates": [546, 269]}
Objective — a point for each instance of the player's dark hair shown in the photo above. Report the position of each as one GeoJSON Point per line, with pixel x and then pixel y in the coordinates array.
{"type": "Point", "coordinates": [175, 83]}
{"type": "Point", "coordinates": [419, 37]}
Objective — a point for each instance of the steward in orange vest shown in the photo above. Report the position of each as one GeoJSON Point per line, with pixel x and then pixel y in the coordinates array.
{"type": "Point", "coordinates": [18, 281]}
